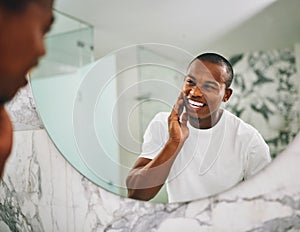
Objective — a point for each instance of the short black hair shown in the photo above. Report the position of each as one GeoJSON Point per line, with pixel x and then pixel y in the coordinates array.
{"type": "Point", "coordinates": [19, 5]}
{"type": "Point", "coordinates": [217, 59]}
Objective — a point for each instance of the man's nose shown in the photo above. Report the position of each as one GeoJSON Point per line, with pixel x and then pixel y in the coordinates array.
{"type": "Point", "coordinates": [196, 91]}
{"type": "Point", "coordinates": [41, 48]}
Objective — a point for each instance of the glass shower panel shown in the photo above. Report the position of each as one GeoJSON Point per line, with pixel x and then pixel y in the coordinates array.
{"type": "Point", "coordinates": [160, 85]}
{"type": "Point", "coordinates": [69, 46]}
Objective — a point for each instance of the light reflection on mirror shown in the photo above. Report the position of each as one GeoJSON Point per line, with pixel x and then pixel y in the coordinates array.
{"type": "Point", "coordinates": [119, 96]}
{"type": "Point", "coordinates": [266, 94]}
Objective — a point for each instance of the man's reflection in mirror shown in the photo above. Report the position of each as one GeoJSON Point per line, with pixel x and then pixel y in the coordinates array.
{"type": "Point", "coordinates": [199, 149]}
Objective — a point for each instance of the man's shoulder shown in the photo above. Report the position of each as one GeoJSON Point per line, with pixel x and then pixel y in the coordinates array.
{"type": "Point", "coordinates": [161, 116]}
{"type": "Point", "coordinates": [160, 120]}
{"type": "Point", "coordinates": [239, 123]}
{"type": "Point", "coordinates": [244, 133]}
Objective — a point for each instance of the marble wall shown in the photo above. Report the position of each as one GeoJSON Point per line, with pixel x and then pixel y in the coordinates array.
{"type": "Point", "coordinates": [40, 191]}
{"type": "Point", "coordinates": [266, 94]}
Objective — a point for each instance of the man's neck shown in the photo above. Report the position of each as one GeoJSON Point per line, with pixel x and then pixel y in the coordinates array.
{"type": "Point", "coordinates": [6, 137]}
{"type": "Point", "coordinates": [2, 109]}
{"type": "Point", "coordinates": [208, 122]}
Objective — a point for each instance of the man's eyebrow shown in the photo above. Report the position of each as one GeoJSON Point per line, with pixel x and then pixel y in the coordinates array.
{"type": "Point", "coordinates": [190, 76]}
{"type": "Point", "coordinates": [213, 83]}
{"type": "Point", "coordinates": [207, 82]}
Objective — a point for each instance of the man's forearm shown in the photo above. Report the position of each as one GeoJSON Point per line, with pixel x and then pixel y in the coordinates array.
{"type": "Point", "coordinates": [146, 181]}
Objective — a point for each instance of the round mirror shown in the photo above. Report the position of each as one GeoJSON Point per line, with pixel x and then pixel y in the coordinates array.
{"type": "Point", "coordinates": [96, 112]}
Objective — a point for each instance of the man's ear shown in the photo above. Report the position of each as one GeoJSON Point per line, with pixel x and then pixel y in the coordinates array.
{"type": "Point", "coordinates": [227, 95]}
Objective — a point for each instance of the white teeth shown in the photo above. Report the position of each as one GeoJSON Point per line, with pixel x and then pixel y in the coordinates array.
{"type": "Point", "coordinates": [195, 104]}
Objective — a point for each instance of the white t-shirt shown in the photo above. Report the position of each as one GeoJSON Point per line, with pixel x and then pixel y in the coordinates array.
{"type": "Point", "coordinates": [211, 160]}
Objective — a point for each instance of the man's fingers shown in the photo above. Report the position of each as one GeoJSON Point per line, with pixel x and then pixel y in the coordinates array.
{"type": "Point", "coordinates": [178, 107]}
{"type": "Point", "coordinates": [180, 104]}
{"type": "Point", "coordinates": [184, 119]}
{"type": "Point", "coordinates": [174, 114]}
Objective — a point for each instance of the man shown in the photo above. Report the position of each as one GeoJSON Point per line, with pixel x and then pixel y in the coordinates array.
{"type": "Point", "coordinates": [23, 25]}
{"type": "Point", "coordinates": [203, 150]}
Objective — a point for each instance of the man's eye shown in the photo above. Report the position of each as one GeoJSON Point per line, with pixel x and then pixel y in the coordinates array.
{"type": "Point", "coordinates": [209, 87]}
{"type": "Point", "coordinates": [189, 81]}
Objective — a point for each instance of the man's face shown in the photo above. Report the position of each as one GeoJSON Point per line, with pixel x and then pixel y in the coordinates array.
{"type": "Point", "coordinates": [21, 45]}
{"type": "Point", "coordinates": [205, 89]}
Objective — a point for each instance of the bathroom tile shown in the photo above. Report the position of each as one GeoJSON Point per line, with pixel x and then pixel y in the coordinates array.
{"type": "Point", "coordinates": [42, 192]}
{"type": "Point", "coordinates": [34, 183]}
{"type": "Point", "coordinates": [181, 224]}
{"type": "Point", "coordinates": [197, 208]}
{"type": "Point", "coordinates": [22, 111]}
{"type": "Point", "coordinates": [243, 216]}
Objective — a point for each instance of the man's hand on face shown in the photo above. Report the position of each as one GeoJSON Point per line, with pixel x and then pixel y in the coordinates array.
{"type": "Point", "coordinates": [178, 130]}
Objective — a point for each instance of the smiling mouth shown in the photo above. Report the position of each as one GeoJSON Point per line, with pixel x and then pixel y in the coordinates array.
{"type": "Point", "coordinates": [195, 104]}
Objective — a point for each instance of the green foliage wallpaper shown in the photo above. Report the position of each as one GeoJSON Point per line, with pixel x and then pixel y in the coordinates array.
{"type": "Point", "coordinates": [266, 95]}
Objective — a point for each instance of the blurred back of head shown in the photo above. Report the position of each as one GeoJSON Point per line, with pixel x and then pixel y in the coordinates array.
{"type": "Point", "coordinates": [19, 5]}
